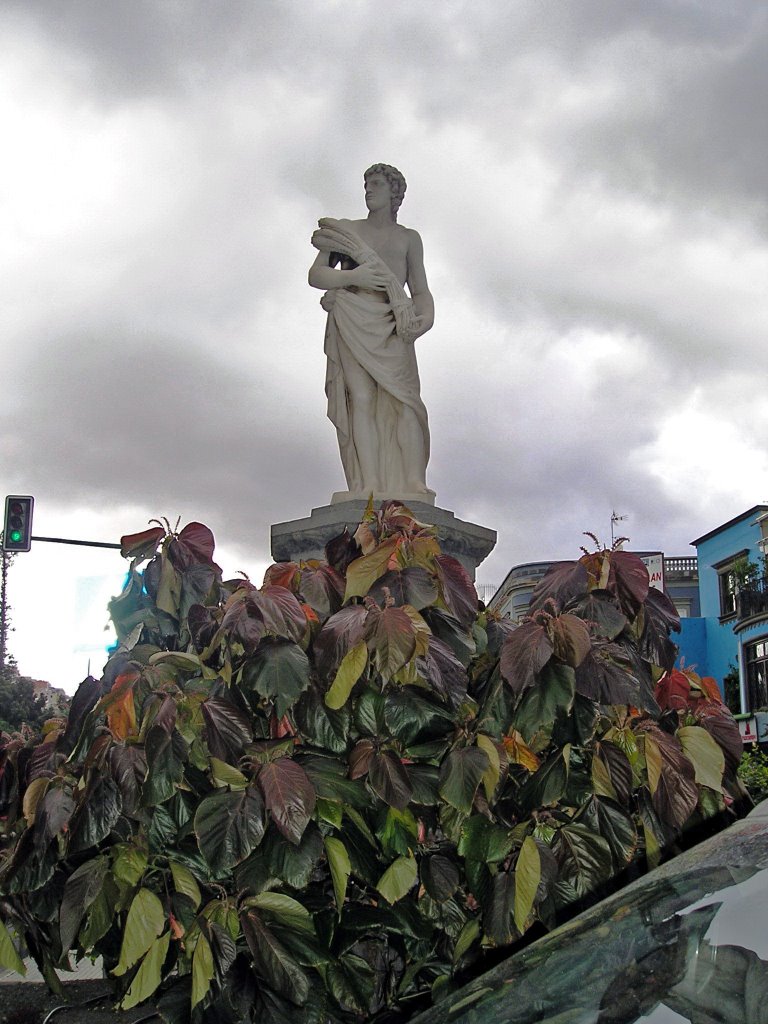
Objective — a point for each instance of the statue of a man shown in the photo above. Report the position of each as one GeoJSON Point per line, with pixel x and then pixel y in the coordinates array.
{"type": "Point", "coordinates": [372, 380]}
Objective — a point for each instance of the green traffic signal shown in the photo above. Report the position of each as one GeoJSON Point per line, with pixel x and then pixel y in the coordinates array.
{"type": "Point", "coordinates": [17, 528]}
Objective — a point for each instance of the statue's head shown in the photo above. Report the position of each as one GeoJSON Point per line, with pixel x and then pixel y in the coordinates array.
{"type": "Point", "coordinates": [396, 181]}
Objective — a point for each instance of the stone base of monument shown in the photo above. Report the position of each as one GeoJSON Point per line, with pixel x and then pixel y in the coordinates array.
{"type": "Point", "coordinates": [302, 539]}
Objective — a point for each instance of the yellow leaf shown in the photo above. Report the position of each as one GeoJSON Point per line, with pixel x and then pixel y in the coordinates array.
{"type": "Point", "coordinates": [422, 630]}
{"type": "Point", "coordinates": [351, 668]}
{"type": "Point", "coordinates": [527, 878]}
{"type": "Point", "coordinates": [653, 763]}
{"type": "Point", "coordinates": [202, 970]}
{"type": "Point", "coordinates": [225, 775]}
{"type": "Point", "coordinates": [148, 976]}
{"type": "Point", "coordinates": [34, 794]}
{"type": "Point", "coordinates": [519, 752]}
{"type": "Point", "coordinates": [492, 773]}
{"type": "Point", "coordinates": [364, 571]}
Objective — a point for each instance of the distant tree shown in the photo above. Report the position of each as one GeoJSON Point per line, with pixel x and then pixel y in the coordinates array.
{"type": "Point", "coordinates": [18, 703]}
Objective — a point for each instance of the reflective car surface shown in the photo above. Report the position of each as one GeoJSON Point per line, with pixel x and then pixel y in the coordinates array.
{"type": "Point", "coordinates": [688, 942]}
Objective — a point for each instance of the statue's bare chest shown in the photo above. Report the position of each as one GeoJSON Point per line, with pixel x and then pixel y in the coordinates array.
{"type": "Point", "coordinates": [390, 244]}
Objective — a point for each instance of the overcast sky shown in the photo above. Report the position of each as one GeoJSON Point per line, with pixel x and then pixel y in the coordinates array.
{"type": "Point", "coordinates": [588, 178]}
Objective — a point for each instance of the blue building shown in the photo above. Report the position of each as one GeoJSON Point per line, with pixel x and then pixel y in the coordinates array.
{"type": "Point", "coordinates": [732, 635]}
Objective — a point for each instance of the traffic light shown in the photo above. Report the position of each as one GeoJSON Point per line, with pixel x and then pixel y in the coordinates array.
{"type": "Point", "coordinates": [17, 529]}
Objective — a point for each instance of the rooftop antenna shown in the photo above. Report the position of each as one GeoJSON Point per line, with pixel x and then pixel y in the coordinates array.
{"type": "Point", "coordinates": [615, 518]}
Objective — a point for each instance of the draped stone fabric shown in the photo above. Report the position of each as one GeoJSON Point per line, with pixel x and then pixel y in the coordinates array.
{"type": "Point", "coordinates": [365, 325]}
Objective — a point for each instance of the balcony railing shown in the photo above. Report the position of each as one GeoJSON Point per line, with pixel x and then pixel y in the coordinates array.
{"type": "Point", "coordinates": [752, 599]}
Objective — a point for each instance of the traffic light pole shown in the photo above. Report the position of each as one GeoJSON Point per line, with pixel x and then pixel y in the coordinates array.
{"type": "Point", "coordinates": [81, 543]}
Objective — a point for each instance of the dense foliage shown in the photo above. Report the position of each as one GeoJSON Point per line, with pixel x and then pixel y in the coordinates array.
{"type": "Point", "coordinates": [322, 799]}
{"type": "Point", "coordinates": [753, 772]}
{"type": "Point", "coordinates": [19, 705]}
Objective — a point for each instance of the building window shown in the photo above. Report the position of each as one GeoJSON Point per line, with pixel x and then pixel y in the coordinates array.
{"type": "Point", "coordinates": [727, 582]}
{"type": "Point", "coordinates": [730, 573]}
{"type": "Point", "coordinates": [756, 664]}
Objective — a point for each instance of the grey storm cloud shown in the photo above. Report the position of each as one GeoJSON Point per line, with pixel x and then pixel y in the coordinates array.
{"type": "Point", "coordinates": [588, 178]}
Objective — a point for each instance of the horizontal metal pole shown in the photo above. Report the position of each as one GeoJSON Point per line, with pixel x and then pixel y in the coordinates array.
{"type": "Point", "coordinates": [82, 543]}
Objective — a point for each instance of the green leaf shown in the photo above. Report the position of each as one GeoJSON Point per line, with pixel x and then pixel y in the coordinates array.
{"type": "Point", "coordinates": [399, 878]}
{"type": "Point", "coordinates": [399, 833]}
{"type": "Point", "coordinates": [614, 824]}
{"type": "Point", "coordinates": [483, 841]}
{"type": "Point", "coordinates": [319, 725]}
{"type": "Point", "coordinates": [148, 976]}
{"type": "Point", "coordinates": [460, 775]}
{"type": "Point", "coordinates": [283, 909]}
{"type": "Point", "coordinates": [289, 796]}
{"type": "Point", "coordinates": [492, 774]}
{"type": "Point", "coordinates": [331, 811]}
{"type": "Point", "coordinates": [364, 571]}
{"type": "Point", "coordinates": [469, 934]}
{"type": "Point", "coordinates": [352, 666]}
{"type": "Point", "coordinates": [440, 877]}
{"type": "Point", "coordinates": [224, 774]}
{"type": "Point", "coordinates": [272, 962]}
{"type": "Point", "coordinates": [185, 882]}
{"type": "Point", "coordinates": [369, 713]}
{"type": "Point", "coordinates": [338, 861]}
{"type": "Point", "coordinates": [145, 922]}
{"type": "Point", "coordinates": [584, 857]}
{"type": "Point", "coordinates": [546, 785]}
{"type": "Point", "coordinates": [278, 858]}
{"type": "Point", "coordinates": [498, 908]}
{"type": "Point", "coordinates": [229, 825]}
{"type": "Point", "coordinates": [278, 671]}
{"type": "Point", "coordinates": [539, 708]}
{"type": "Point", "coordinates": [705, 754]}
{"type": "Point", "coordinates": [202, 970]}
{"type": "Point", "coordinates": [9, 957]}
{"type": "Point", "coordinates": [527, 878]}
{"type": "Point", "coordinates": [82, 888]}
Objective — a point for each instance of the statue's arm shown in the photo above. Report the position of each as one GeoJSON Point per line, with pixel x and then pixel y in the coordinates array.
{"type": "Point", "coordinates": [423, 303]}
{"type": "Point", "coordinates": [322, 275]}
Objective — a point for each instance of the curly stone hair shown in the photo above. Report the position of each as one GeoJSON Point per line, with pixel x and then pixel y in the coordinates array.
{"type": "Point", "coordinates": [396, 181]}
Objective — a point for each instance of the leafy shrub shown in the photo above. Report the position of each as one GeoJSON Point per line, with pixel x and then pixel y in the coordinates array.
{"type": "Point", "coordinates": [320, 799]}
{"type": "Point", "coordinates": [753, 772]}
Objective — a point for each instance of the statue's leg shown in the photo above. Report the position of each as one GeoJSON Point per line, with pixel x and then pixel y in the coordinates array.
{"type": "Point", "coordinates": [361, 389]}
{"type": "Point", "coordinates": [411, 443]}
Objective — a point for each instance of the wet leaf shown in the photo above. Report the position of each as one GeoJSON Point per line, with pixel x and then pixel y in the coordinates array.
{"type": "Point", "coordinates": [272, 962]}
{"type": "Point", "coordinates": [278, 671]}
{"type": "Point", "coordinates": [338, 861]}
{"type": "Point", "coordinates": [527, 878]}
{"type": "Point", "coordinates": [352, 666]}
{"type": "Point", "coordinates": [229, 825]}
{"type": "Point", "coordinates": [145, 922]}
{"type": "Point", "coordinates": [525, 653]}
{"type": "Point", "coordinates": [289, 796]}
{"type": "Point", "coordinates": [460, 775]}
{"type": "Point", "coordinates": [399, 878]}
{"type": "Point", "coordinates": [389, 780]}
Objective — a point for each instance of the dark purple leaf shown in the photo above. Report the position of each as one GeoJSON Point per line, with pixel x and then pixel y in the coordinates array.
{"type": "Point", "coordinates": [243, 619]}
{"type": "Point", "coordinates": [499, 908]}
{"type": "Point", "coordinates": [82, 888]}
{"type": "Point", "coordinates": [720, 724]}
{"type": "Point", "coordinates": [600, 610]}
{"type": "Point", "coordinates": [98, 810]}
{"type": "Point", "coordinates": [629, 581]}
{"type": "Point", "coordinates": [272, 961]}
{"type": "Point", "coordinates": [202, 625]}
{"type": "Point", "coordinates": [281, 612]}
{"type": "Point", "coordinates": [389, 780]}
{"type": "Point", "coordinates": [53, 814]}
{"type": "Point", "coordinates": [360, 758]}
{"type": "Point", "coordinates": [608, 676]}
{"type": "Point", "coordinates": [676, 795]}
{"type": "Point", "coordinates": [141, 545]}
{"type": "Point", "coordinates": [227, 729]}
{"type": "Point", "coordinates": [458, 589]}
{"type": "Point", "coordinates": [391, 639]}
{"type": "Point", "coordinates": [412, 585]}
{"type": "Point", "coordinates": [128, 767]}
{"type": "Point", "coordinates": [444, 672]}
{"type": "Point", "coordinates": [439, 876]}
{"type": "Point", "coordinates": [562, 583]}
{"type": "Point", "coordinates": [339, 635]}
{"type": "Point", "coordinates": [342, 550]}
{"type": "Point", "coordinates": [525, 653]}
{"type": "Point", "coordinates": [660, 618]}
{"type": "Point", "coordinates": [84, 700]}
{"type": "Point", "coordinates": [618, 767]}
{"type": "Point", "coordinates": [289, 796]}
{"type": "Point", "coordinates": [193, 546]}
{"type": "Point", "coordinates": [322, 587]}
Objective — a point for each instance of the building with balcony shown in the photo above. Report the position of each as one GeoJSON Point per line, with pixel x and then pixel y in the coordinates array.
{"type": "Point", "coordinates": [734, 603]}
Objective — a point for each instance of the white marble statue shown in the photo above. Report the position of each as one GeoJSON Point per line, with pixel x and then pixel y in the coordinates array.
{"type": "Point", "coordinates": [372, 380]}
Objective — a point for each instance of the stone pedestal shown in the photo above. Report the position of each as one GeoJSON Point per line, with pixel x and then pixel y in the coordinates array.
{"type": "Point", "coordinates": [306, 538]}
